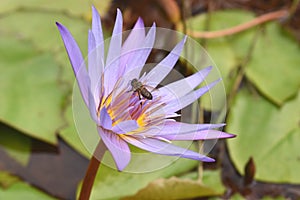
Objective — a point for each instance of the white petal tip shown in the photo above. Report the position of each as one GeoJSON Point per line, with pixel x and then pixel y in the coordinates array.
{"type": "Point", "coordinates": [119, 12]}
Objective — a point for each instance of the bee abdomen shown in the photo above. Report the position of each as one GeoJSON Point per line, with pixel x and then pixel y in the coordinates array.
{"type": "Point", "coordinates": [146, 94]}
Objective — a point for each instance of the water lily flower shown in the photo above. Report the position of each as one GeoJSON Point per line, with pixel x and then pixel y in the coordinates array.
{"type": "Point", "coordinates": [121, 113]}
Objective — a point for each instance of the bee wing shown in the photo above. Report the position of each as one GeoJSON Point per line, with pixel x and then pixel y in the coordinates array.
{"type": "Point", "coordinates": [150, 88]}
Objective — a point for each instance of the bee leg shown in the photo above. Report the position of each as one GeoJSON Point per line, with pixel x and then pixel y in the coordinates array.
{"type": "Point", "coordinates": [129, 90]}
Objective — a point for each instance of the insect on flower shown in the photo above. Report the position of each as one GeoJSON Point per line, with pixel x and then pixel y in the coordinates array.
{"type": "Point", "coordinates": [118, 116]}
{"type": "Point", "coordinates": [141, 89]}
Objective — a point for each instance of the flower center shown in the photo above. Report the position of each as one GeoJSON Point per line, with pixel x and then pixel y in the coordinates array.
{"type": "Point", "coordinates": [124, 103]}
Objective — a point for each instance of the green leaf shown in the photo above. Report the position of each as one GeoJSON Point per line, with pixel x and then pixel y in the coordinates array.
{"type": "Point", "coordinates": [274, 66]}
{"type": "Point", "coordinates": [70, 135]}
{"type": "Point", "coordinates": [112, 184]}
{"type": "Point", "coordinates": [15, 144]}
{"type": "Point", "coordinates": [237, 196]}
{"type": "Point", "coordinates": [269, 134]}
{"type": "Point", "coordinates": [23, 25]}
{"type": "Point", "coordinates": [33, 98]}
{"type": "Point", "coordinates": [21, 190]}
{"type": "Point", "coordinates": [183, 187]}
{"type": "Point", "coordinates": [224, 19]}
{"type": "Point", "coordinates": [173, 188]}
{"type": "Point", "coordinates": [225, 62]}
{"type": "Point", "coordinates": [212, 179]}
{"type": "Point", "coordinates": [6, 179]}
{"type": "Point", "coordinates": [68, 6]}
{"type": "Point", "coordinates": [227, 52]}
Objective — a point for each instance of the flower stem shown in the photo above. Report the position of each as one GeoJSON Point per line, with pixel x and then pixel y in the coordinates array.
{"type": "Point", "coordinates": [91, 172]}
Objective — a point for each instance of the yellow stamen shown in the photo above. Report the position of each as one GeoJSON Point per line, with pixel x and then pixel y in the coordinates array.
{"type": "Point", "coordinates": [140, 121]}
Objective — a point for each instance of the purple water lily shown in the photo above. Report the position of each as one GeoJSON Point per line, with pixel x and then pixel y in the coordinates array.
{"type": "Point", "coordinates": [121, 113]}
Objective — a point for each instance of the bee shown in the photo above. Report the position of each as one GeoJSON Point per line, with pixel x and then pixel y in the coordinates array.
{"type": "Point", "coordinates": [138, 87]}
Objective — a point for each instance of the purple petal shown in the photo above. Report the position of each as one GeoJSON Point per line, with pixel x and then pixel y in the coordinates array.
{"type": "Point", "coordinates": [93, 109]}
{"type": "Point", "coordinates": [76, 60]}
{"type": "Point", "coordinates": [91, 47]}
{"type": "Point", "coordinates": [177, 104]}
{"type": "Point", "coordinates": [117, 146]}
{"type": "Point", "coordinates": [94, 69]}
{"type": "Point", "coordinates": [125, 126]}
{"type": "Point", "coordinates": [105, 120]}
{"type": "Point", "coordinates": [97, 28]}
{"type": "Point", "coordinates": [183, 86]}
{"type": "Point", "coordinates": [159, 147]}
{"type": "Point", "coordinates": [136, 37]}
{"type": "Point", "coordinates": [113, 56]}
{"type": "Point", "coordinates": [199, 135]}
{"type": "Point", "coordinates": [134, 67]}
{"type": "Point", "coordinates": [96, 49]}
{"type": "Point", "coordinates": [134, 41]}
{"type": "Point", "coordinates": [177, 128]}
{"type": "Point", "coordinates": [157, 74]}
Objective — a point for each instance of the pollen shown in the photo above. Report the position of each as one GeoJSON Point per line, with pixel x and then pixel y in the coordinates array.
{"type": "Point", "coordinates": [141, 120]}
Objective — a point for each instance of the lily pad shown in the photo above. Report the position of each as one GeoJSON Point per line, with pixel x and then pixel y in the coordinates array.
{"type": "Point", "coordinates": [267, 133]}
{"type": "Point", "coordinates": [182, 188]}
{"type": "Point", "coordinates": [70, 135]}
{"type": "Point", "coordinates": [112, 184]}
{"type": "Point", "coordinates": [274, 66]}
{"type": "Point", "coordinates": [15, 144]}
{"type": "Point", "coordinates": [77, 8]}
{"type": "Point", "coordinates": [23, 25]}
{"type": "Point", "coordinates": [224, 19]}
{"type": "Point", "coordinates": [32, 97]}
{"type": "Point", "coordinates": [6, 180]}
{"type": "Point", "coordinates": [227, 52]}
{"type": "Point", "coordinates": [21, 190]}
{"type": "Point", "coordinates": [212, 179]}
{"type": "Point", "coordinates": [173, 188]}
